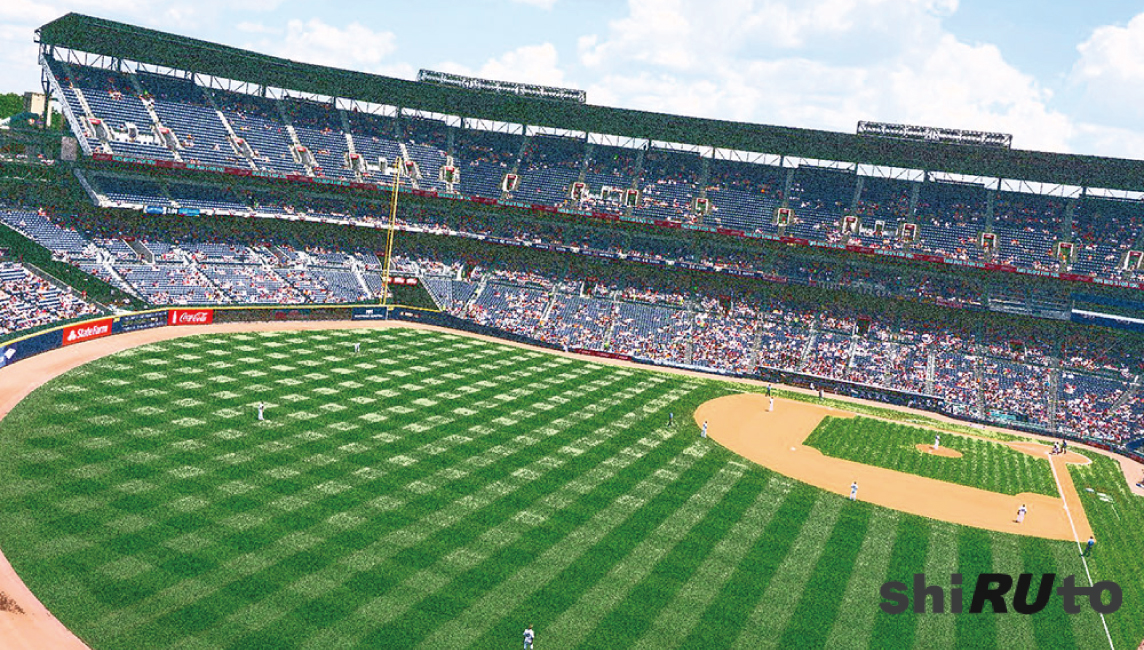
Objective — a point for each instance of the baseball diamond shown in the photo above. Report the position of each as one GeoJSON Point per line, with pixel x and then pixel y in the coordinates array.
{"type": "Point", "coordinates": [436, 489]}
{"type": "Point", "coordinates": [297, 356]}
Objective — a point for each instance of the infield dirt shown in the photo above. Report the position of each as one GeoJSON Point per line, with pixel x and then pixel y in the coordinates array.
{"type": "Point", "coordinates": [738, 422]}
{"type": "Point", "coordinates": [774, 439]}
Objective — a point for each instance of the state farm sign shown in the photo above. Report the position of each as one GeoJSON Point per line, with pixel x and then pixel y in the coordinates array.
{"type": "Point", "coordinates": [87, 331]}
{"type": "Point", "coordinates": [190, 316]}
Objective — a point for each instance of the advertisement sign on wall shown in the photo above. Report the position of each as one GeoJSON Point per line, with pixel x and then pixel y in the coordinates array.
{"type": "Point", "coordinates": [370, 313]}
{"type": "Point", "coordinates": [87, 331]}
{"type": "Point", "coordinates": [190, 316]}
{"type": "Point", "coordinates": [133, 322]}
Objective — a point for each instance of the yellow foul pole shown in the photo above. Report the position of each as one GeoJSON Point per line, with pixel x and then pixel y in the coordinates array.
{"type": "Point", "coordinates": [389, 239]}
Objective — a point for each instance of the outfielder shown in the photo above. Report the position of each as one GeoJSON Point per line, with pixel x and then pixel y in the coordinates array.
{"type": "Point", "coordinates": [529, 637]}
{"type": "Point", "coordinates": [261, 408]}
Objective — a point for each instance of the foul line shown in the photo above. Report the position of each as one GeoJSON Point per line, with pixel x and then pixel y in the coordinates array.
{"type": "Point", "coordinates": [1061, 491]}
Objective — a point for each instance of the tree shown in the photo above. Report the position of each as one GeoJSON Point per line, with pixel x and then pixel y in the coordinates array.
{"type": "Point", "coordinates": [11, 104]}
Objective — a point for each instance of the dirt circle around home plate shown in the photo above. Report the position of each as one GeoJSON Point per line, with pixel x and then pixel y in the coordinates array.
{"type": "Point", "coordinates": [944, 452]}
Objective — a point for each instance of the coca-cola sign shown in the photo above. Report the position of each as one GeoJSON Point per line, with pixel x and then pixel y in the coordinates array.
{"type": "Point", "coordinates": [87, 331]}
{"type": "Point", "coordinates": [190, 316]}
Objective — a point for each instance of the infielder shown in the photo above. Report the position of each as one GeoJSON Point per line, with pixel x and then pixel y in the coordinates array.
{"type": "Point", "coordinates": [704, 433]}
{"type": "Point", "coordinates": [771, 405]}
{"type": "Point", "coordinates": [1021, 513]}
{"type": "Point", "coordinates": [854, 491]}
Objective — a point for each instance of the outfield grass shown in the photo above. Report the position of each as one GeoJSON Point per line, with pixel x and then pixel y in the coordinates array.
{"type": "Point", "coordinates": [984, 464]}
{"type": "Point", "coordinates": [1117, 518]}
{"type": "Point", "coordinates": [441, 492]}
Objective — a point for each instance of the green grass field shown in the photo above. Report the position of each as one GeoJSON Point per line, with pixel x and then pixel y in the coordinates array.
{"type": "Point", "coordinates": [441, 492]}
{"type": "Point", "coordinates": [984, 464]}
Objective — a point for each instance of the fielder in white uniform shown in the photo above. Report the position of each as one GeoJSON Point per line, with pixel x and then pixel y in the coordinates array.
{"type": "Point", "coordinates": [529, 637]}
{"type": "Point", "coordinates": [704, 433]}
{"type": "Point", "coordinates": [261, 408]}
{"type": "Point", "coordinates": [854, 491]}
{"type": "Point", "coordinates": [936, 442]}
{"type": "Point", "coordinates": [1021, 513]}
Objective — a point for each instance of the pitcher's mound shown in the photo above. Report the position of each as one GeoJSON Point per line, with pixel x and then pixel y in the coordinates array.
{"type": "Point", "coordinates": [945, 452]}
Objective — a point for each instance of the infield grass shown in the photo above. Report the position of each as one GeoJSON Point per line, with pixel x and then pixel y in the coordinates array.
{"type": "Point", "coordinates": [437, 491]}
{"type": "Point", "coordinates": [984, 464]}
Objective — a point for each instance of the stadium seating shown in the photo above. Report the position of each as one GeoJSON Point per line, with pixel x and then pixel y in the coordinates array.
{"type": "Point", "coordinates": [743, 196]}
{"type": "Point", "coordinates": [28, 300]}
{"type": "Point", "coordinates": [979, 374]}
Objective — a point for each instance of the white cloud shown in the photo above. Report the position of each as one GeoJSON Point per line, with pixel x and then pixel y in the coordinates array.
{"type": "Point", "coordinates": [972, 87]}
{"type": "Point", "coordinates": [817, 64]}
{"type": "Point", "coordinates": [543, 4]}
{"type": "Point", "coordinates": [534, 64]}
{"type": "Point", "coordinates": [27, 12]}
{"type": "Point", "coordinates": [1109, 75]}
{"type": "Point", "coordinates": [1109, 141]}
{"type": "Point", "coordinates": [19, 19]}
{"type": "Point", "coordinates": [249, 27]}
{"type": "Point", "coordinates": [355, 46]}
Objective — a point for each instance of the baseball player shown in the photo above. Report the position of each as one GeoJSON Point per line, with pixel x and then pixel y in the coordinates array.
{"type": "Point", "coordinates": [357, 347]}
{"type": "Point", "coordinates": [854, 491]}
{"type": "Point", "coordinates": [671, 418]}
{"type": "Point", "coordinates": [529, 637]}
{"type": "Point", "coordinates": [1021, 513]}
{"type": "Point", "coordinates": [261, 408]}
{"type": "Point", "coordinates": [936, 441]}
{"type": "Point", "coordinates": [771, 405]}
{"type": "Point", "coordinates": [704, 433]}
{"type": "Point", "coordinates": [1088, 546]}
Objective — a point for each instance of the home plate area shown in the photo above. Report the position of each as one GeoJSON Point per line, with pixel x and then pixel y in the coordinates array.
{"type": "Point", "coordinates": [440, 491]}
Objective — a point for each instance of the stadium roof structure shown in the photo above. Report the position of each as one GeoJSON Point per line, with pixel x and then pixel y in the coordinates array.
{"type": "Point", "coordinates": [109, 38]}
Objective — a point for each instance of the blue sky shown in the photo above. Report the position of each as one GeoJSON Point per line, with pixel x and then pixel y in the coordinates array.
{"type": "Point", "coordinates": [1059, 76]}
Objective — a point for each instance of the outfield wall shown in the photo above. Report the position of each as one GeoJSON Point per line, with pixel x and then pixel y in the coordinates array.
{"type": "Point", "coordinates": [77, 332]}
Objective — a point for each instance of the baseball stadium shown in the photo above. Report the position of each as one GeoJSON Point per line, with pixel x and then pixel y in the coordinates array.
{"type": "Point", "coordinates": [294, 356]}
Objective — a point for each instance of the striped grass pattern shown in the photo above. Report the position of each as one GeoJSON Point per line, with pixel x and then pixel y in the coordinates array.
{"type": "Point", "coordinates": [436, 491]}
{"type": "Point", "coordinates": [984, 464]}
